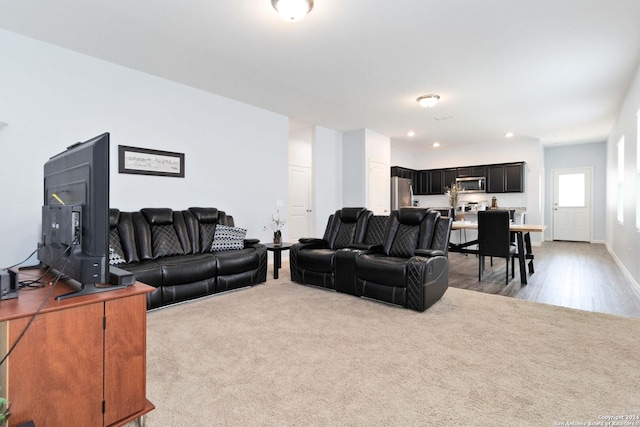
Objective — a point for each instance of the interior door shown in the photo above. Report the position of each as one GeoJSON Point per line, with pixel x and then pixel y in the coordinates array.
{"type": "Point", "coordinates": [300, 210]}
{"type": "Point", "coordinates": [572, 204]}
{"type": "Point", "coordinates": [379, 188]}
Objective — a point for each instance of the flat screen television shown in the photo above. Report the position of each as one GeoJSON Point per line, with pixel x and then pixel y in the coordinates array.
{"type": "Point", "coordinates": [75, 216]}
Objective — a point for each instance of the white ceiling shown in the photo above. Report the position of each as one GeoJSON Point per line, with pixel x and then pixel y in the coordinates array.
{"type": "Point", "coordinates": [548, 70]}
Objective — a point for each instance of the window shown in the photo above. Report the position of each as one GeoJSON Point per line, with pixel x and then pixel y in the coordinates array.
{"type": "Point", "coordinates": [620, 215]}
{"type": "Point", "coordinates": [571, 190]}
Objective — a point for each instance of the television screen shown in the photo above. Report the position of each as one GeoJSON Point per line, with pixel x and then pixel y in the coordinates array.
{"type": "Point", "coordinates": [75, 215]}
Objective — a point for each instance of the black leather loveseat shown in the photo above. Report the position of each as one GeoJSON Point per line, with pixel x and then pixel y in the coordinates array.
{"type": "Point", "coordinates": [400, 259]}
{"type": "Point", "coordinates": [172, 251]}
{"type": "Point", "coordinates": [313, 260]}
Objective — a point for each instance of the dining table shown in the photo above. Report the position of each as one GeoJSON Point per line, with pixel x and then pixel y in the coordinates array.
{"type": "Point", "coordinates": [523, 241]}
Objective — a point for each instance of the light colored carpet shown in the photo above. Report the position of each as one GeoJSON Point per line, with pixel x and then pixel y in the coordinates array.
{"type": "Point", "coordinates": [285, 354]}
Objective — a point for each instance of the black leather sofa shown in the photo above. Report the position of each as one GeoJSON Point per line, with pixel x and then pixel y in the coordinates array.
{"type": "Point", "coordinates": [401, 259]}
{"type": "Point", "coordinates": [171, 251]}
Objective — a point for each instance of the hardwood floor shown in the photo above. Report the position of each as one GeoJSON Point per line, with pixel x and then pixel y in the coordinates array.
{"type": "Point", "coordinates": [569, 274]}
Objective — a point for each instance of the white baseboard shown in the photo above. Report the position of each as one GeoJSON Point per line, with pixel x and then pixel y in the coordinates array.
{"type": "Point", "coordinates": [624, 269]}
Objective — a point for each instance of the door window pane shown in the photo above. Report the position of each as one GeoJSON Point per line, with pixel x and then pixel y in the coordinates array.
{"type": "Point", "coordinates": [571, 190]}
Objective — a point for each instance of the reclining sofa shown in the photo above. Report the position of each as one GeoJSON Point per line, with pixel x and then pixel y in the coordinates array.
{"type": "Point", "coordinates": [172, 251]}
{"type": "Point", "coordinates": [399, 259]}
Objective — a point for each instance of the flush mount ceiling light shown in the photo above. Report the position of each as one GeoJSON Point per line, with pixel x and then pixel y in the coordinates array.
{"type": "Point", "coordinates": [509, 135]}
{"type": "Point", "coordinates": [428, 101]}
{"type": "Point", "coordinates": [411, 133]}
{"type": "Point", "coordinates": [292, 10]}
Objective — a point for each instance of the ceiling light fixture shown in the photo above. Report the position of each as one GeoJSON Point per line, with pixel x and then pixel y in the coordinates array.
{"type": "Point", "coordinates": [436, 144]}
{"type": "Point", "coordinates": [292, 10]}
{"type": "Point", "coordinates": [428, 101]}
{"type": "Point", "coordinates": [411, 133]}
{"type": "Point", "coordinates": [508, 135]}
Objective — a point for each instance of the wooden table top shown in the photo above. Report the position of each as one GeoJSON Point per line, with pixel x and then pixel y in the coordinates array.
{"type": "Point", "coordinates": [30, 299]}
{"type": "Point", "coordinates": [525, 228]}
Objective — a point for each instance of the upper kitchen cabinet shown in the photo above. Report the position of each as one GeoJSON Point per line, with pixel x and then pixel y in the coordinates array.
{"type": "Point", "coordinates": [471, 171]}
{"type": "Point", "coordinates": [421, 183]}
{"type": "Point", "coordinates": [435, 180]}
{"type": "Point", "coordinates": [449, 178]}
{"type": "Point", "coordinates": [401, 172]}
{"type": "Point", "coordinates": [505, 178]}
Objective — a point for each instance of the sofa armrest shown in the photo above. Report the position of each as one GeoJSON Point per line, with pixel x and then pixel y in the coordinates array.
{"type": "Point", "coordinates": [429, 252]}
{"type": "Point", "coordinates": [366, 247]}
{"type": "Point", "coordinates": [313, 240]}
{"type": "Point", "coordinates": [251, 242]}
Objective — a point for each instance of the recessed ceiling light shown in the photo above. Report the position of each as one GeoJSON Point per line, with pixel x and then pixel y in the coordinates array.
{"type": "Point", "coordinates": [428, 101]}
{"type": "Point", "coordinates": [411, 133]}
{"type": "Point", "coordinates": [508, 134]}
{"type": "Point", "coordinates": [436, 144]}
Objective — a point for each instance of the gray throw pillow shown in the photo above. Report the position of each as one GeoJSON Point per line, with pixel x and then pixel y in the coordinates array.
{"type": "Point", "coordinates": [115, 258]}
{"type": "Point", "coordinates": [228, 238]}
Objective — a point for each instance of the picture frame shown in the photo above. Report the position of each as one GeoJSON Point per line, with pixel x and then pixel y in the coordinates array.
{"type": "Point", "coordinates": [145, 161]}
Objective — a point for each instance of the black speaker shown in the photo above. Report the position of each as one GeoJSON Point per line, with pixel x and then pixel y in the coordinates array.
{"type": "Point", "coordinates": [8, 284]}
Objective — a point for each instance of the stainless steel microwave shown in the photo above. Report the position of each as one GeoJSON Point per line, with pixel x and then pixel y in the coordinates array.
{"type": "Point", "coordinates": [472, 184]}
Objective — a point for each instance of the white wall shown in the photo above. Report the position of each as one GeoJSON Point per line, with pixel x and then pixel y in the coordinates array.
{"type": "Point", "coordinates": [577, 156]}
{"type": "Point", "coordinates": [530, 152]}
{"type": "Point", "coordinates": [360, 147]}
{"type": "Point", "coordinates": [327, 176]}
{"type": "Point", "coordinates": [236, 154]}
{"type": "Point", "coordinates": [624, 238]}
{"type": "Point", "coordinates": [354, 186]}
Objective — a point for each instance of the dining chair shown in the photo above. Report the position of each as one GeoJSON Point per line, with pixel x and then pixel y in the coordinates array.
{"type": "Point", "coordinates": [494, 240]}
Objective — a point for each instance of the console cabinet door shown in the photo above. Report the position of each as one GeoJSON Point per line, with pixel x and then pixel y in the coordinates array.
{"type": "Point", "coordinates": [124, 357]}
{"type": "Point", "coordinates": [59, 362]}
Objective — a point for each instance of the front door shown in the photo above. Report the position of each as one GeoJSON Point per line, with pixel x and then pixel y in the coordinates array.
{"type": "Point", "coordinates": [572, 204]}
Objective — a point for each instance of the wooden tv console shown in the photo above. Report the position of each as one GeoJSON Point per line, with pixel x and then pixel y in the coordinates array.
{"type": "Point", "coordinates": [82, 362]}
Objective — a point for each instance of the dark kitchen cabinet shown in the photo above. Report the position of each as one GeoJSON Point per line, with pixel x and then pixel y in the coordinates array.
{"type": "Point", "coordinates": [407, 173]}
{"type": "Point", "coordinates": [421, 187]}
{"type": "Point", "coordinates": [449, 177]}
{"type": "Point", "coordinates": [439, 179]}
{"type": "Point", "coordinates": [514, 178]}
{"type": "Point", "coordinates": [435, 178]}
{"type": "Point", "coordinates": [471, 171]}
{"type": "Point", "coordinates": [500, 178]}
{"type": "Point", "coordinates": [403, 173]}
{"type": "Point", "coordinates": [505, 178]}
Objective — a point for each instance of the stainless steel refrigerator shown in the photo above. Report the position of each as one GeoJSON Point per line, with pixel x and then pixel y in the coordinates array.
{"type": "Point", "coordinates": [401, 193]}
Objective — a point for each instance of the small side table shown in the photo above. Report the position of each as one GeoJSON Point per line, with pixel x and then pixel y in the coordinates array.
{"type": "Point", "coordinates": [277, 255]}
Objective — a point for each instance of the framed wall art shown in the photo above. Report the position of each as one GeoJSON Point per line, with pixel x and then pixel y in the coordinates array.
{"type": "Point", "coordinates": [144, 161]}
